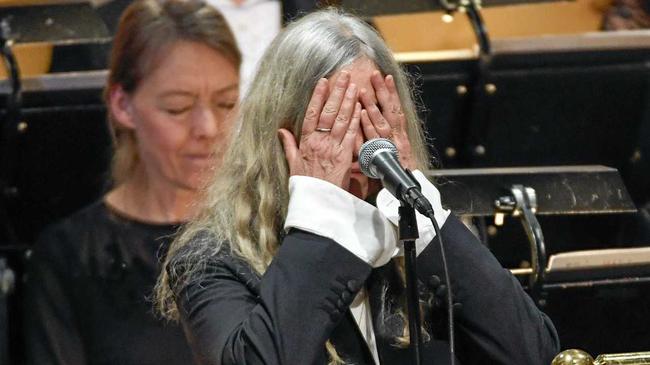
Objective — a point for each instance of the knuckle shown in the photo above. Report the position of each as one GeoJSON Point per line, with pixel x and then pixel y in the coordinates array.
{"type": "Point", "coordinates": [311, 113]}
{"type": "Point", "coordinates": [329, 109]}
{"type": "Point", "coordinates": [320, 149]}
{"type": "Point", "coordinates": [325, 165]}
{"type": "Point", "coordinates": [341, 118]}
{"type": "Point", "coordinates": [314, 149]}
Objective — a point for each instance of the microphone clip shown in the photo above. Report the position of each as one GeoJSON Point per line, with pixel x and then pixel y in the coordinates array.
{"type": "Point", "coordinates": [408, 225]}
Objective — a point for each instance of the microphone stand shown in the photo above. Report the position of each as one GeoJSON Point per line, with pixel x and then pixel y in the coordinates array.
{"type": "Point", "coordinates": [408, 233]}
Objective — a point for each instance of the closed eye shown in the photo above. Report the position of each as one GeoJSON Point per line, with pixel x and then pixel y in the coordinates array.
{"type": "Point", "coordinates": [227, 106]}
{"type": "Point", "coordinates": [177, 111]}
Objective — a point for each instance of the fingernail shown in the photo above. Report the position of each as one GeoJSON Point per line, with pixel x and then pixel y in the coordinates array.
{"type": "Point", "coordinates": [321, 83]}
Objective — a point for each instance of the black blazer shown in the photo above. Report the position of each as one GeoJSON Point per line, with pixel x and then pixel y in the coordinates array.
{"type": "Point", "coordinates": [232, 316]}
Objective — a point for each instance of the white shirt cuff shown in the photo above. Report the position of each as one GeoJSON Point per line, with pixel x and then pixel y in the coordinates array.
{"type": "Point", "coordinates": [322, 208]}
{"type": "Point", "coordinates": [389, 205]}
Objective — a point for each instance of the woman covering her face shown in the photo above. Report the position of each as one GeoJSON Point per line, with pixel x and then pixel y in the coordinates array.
{"type": "Point", "coordinates": [172, 86]}
{"type": "Point", "coordinates": [294, 257]}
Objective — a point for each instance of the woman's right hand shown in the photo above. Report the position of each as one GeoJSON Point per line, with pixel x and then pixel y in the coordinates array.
{"type": "Point", "coordinates": [328, 133]}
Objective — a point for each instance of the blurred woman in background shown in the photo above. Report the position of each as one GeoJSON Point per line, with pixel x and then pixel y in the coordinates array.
{"type": "Point", "coordinates": [172, 87]}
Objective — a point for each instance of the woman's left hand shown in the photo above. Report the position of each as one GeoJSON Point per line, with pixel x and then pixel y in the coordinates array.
{"type": "Point", "coordinates": [386, 120]}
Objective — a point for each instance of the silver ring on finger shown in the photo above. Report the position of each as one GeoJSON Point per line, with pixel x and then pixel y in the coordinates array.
{"type": "Point", "coordinates": [326, 130]}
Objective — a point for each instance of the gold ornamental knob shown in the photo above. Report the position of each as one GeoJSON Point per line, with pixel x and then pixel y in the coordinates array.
{"type": "Point", "coordinates": [573, 357]}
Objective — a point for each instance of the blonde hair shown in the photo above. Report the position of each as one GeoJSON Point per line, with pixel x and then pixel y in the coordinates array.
{"type": "Point", "coordinates": [146, 27]}
{"type": "Point", "coordinates": [247, 202]}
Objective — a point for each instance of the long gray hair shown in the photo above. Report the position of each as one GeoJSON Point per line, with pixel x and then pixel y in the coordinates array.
{"type": "Point", "coordinates": [246, 204]}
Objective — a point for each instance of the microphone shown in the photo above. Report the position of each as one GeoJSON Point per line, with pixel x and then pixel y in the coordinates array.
{"type": "Point", "coordinates": [378, 159]}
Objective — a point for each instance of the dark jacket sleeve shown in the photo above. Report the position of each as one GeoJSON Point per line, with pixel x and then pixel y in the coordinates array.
{"type": "Point", "coordinates": [285, 318]}
{"type": "Point", "coordinates": [497, 323]}
{"type": "Point", "coordinates": [51, 334]}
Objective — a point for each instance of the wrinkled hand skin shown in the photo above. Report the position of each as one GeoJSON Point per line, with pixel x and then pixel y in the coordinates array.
{"type": "Point", "coordinates": [326, 155]}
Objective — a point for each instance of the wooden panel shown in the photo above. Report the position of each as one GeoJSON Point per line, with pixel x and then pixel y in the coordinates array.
{"type": "Point", "coordinates": [33, 59]}
{"type": "Point", "coordinates": [427, 31]}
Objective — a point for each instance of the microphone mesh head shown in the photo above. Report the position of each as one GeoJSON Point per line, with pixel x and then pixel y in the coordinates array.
{"type": "Point", "coordinates": [369, 149]}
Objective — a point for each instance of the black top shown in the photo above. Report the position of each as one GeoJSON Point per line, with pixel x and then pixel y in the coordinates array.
{"type": "Point", "coordinates": [88, 293]}
{"type": "Point", "coordinates": [234, 316]}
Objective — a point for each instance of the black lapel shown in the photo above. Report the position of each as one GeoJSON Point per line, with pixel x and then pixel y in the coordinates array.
{"type": "Point", "coordinates": [384, 290]}
{"type": "Point", "coordinates": [349, 342]}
